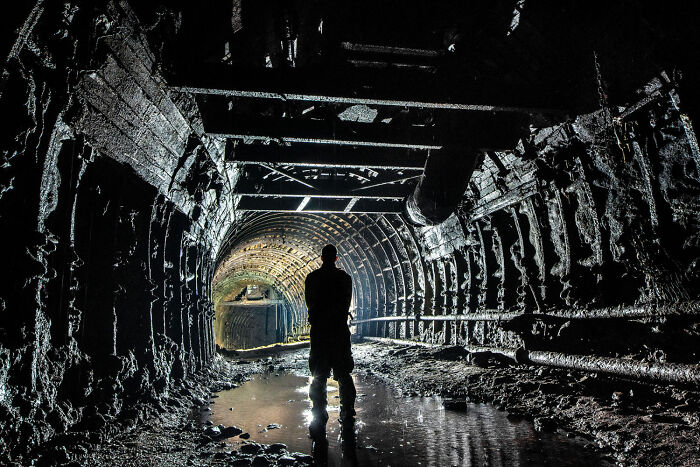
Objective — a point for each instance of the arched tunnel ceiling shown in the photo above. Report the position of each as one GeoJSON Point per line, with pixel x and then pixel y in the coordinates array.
{"type": "Point", "coordinates": [378, 251]}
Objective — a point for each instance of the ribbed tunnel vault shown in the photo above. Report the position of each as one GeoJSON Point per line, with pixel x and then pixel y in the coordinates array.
{"type": "Point", "coordinates": [377, 251]}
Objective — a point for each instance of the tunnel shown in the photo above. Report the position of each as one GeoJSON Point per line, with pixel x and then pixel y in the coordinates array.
{"type": "Point", "coordinates": [513, 188]}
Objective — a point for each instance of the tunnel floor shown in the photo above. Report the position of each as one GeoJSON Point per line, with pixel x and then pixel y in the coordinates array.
{"type": "Point", "coordinates": [505, 414]}
{"type": "Point", "coordinates": [391, 429]}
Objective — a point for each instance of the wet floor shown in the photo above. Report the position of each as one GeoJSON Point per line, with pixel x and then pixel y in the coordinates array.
{"type": "Point", "coordinates": [391, 429]}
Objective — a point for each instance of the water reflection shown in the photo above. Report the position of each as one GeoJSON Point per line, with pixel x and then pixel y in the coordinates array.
{"type": "Point", "coordinates": [390, 430]}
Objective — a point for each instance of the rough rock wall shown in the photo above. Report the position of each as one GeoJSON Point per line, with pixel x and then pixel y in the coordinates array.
{"type": "Point", "coordinates": [107, 225]}
{"type": "Point", "coordinates": [589, 223]}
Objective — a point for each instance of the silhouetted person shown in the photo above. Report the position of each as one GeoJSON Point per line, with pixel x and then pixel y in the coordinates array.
{"type": "Point", "coordinates": [328, 295]}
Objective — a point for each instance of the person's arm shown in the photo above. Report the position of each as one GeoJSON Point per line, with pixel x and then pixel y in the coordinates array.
{"type": "Point", "coordinates": [310, 298]}
{"type": "Point", "coordinates": [347, 294]}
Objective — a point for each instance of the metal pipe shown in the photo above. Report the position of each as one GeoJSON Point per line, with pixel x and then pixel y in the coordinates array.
{"type": "Point", "coordinates": [690, 308]}
{"type": "Point", "coordinates": [669, 372]}
{"type": "Point", "coordinates": [442, 185]}
{"type": "Point", "coordinates": [387, 340]}
{"type": "Point", "coordinates": [675, 372]}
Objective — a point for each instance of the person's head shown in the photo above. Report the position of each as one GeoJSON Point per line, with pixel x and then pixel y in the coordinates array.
{"type": "Point", "coordinates": [329, 254]}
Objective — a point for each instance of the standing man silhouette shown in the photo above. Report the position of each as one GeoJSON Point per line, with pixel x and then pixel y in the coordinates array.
{"type": "Point", "coordinates": [328, 296]}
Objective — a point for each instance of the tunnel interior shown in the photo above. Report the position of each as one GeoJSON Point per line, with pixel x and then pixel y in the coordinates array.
{"type": "Point", "coordinates": [513, 177]}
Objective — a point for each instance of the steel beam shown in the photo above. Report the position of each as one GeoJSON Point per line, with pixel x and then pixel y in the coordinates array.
{"type": "Point", "coordinates": [290, 176]}
{"type": "Point", "coordinates": [331, 156]}
{"type": "Point", "coordinates": [393, 50]}
{"type": "Point", "coordinates": [365, 101]}
{"type": "Point", "coordinates": [319, 205]}
{"type": "Point", "coordinates": [270, 189]}
{"type": "Point", "coordinates": [347, 87]}
{"type": "Point", "coordinates": [302, 130]}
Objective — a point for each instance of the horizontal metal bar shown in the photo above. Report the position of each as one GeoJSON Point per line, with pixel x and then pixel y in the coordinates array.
{"type": "Point", "coordinates": [337, 157]}
{"type": "Point", "coordinates": [290, 176]}
{"type": "Point", "coordinates": [388, 49]}
{"type": "Point", "coordinates": [390, 64]}
{"type": "Point", "coordinates": [284, 190]}
{"type": "Point", "coordinates": [362, 100]}
{"type": "Point", "coordinates": [316, 194]}
{"type": "Point", "coordinates": [689, 309]}
{"type": "Point", "coordinates": [386, 340]}
{"type": "Point", "coordinates": [320, 205]}
{"type": "Point", "coordinates": [219, 122]}
{"type": "Point", "coordinates": [262, 302]}
{"type": "Point", "coordinates": [675, 372]}
{"type": "Point", "coordinates": [469, 317]}
{"type": "Point", "coordinates": [342, 142]}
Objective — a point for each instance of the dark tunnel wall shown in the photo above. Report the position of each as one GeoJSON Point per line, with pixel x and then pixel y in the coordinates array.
{"type": "Point", "coordinates": [105, 195]}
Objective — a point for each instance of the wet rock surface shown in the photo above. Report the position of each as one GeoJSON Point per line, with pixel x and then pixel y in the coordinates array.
{"type": "Point", "coordinates": [169, 432]}
{"type": "Point", "coordinates": [630, 422]}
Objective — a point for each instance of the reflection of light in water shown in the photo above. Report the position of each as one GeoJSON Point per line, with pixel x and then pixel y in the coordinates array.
{"type": "Point", "coordinates": [332, 386]}
{"type": "Point", "coordinates": [391, 430]}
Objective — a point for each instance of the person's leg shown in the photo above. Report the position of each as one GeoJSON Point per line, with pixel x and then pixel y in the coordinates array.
{"type": "Point", "coordinates": [343, 365]}
{"type": "Point", "coordinates": [317, 394]}
{"type": "Point", "coordinates": [347, 396]}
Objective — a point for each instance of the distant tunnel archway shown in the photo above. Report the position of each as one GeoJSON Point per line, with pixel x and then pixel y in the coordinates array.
{"type": "Point", "coordinates": [280, 249]}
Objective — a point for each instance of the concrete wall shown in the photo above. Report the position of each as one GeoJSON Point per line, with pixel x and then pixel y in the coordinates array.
{"type": "Point", "coordinates": [249, 325]}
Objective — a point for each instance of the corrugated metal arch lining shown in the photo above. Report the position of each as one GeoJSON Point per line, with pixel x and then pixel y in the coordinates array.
{"type": "Point", "coordinates": [284, 247]}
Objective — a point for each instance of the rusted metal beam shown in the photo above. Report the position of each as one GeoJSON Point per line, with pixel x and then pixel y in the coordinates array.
{"type": "Point", "coordinates": [395, 182]}
{"type": "Point", "coordinates": [687, 309]}
{"type": "Point", "coordinates": [330, 99]}
{"type": "Point", "coordinates": [393, 50]}
{"type": "Point", "coordinates": [677, 373]}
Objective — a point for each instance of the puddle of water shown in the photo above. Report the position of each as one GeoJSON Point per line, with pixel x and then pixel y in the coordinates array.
{"type": "Point", "coordinates": [391, 429]}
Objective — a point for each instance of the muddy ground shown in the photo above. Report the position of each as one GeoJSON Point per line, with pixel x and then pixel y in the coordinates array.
{"type": "Point", "coordinates": [627, 422]}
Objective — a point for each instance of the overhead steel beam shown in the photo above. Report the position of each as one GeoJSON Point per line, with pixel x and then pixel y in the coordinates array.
{"type": "Point", "coordinates": [301, 130]}
{"type": "Point", "coordinates": [365, 101]}
{"type": "Point", "coordinates": [394, 50]}
{"type": "Point", "coordinates": [382, 183]}
{"type": "Point", "coordinates": [288, 175]}
{"type": "Point", "coordinates": [335, 156]}
{"type": "Point", "coordinates": [320, 205]}
{"type": "Point", "coordinates": [389, 88]}
{"type": "Point", "coordinates": [269, 189]}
